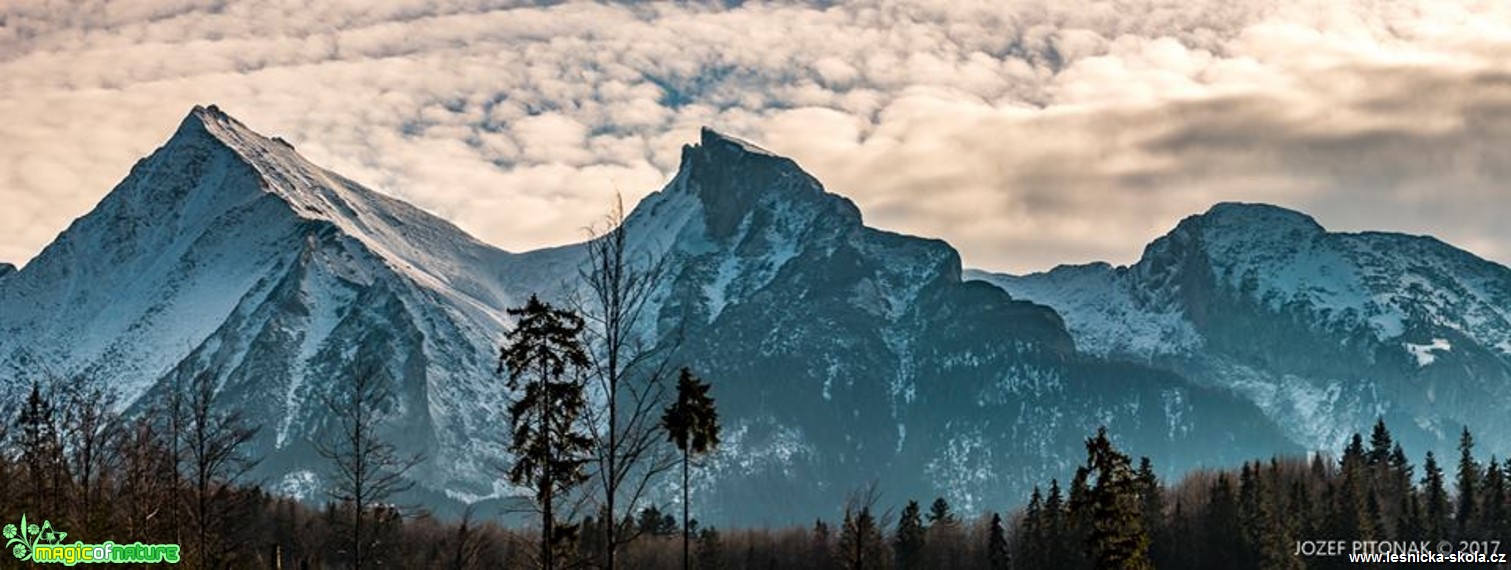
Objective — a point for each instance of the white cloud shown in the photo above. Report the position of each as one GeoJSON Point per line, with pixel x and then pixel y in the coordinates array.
{"type": "Point", "coordinates": [1026, 133]}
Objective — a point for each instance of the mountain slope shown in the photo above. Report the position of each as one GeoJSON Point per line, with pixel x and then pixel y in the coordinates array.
{"type": "Point", "coordinates": [1325, 331]}
{"type": "Point", "coordinates": [227, 253]}
{"type": "Point", "coordinates": [840, 354]}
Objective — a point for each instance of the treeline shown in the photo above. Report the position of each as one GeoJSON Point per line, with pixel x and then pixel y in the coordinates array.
{"type": "Point", "coordinates": [1255, 516]}
{"type": "Point", "coordinates": [176, 475]}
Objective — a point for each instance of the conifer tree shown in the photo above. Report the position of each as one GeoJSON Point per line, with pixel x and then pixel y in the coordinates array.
{"type": "Point", "coordinates": [1351, 514]}
{"type": "Point", "coordinates": [1223, 533]}
{"type": "Point", "coordinates": [1277, 531]}
{"type": "Point", "coordinates": [1151, 495]}
{"type": "Point", "coordinates": [1032, 534]}
{"type": "Point", "coordinates": [1435, 500]}
{"type": "Point", "coordinates": [860, 542]}
{"type": "Point", "coordinates": [1076, 524]}
{"type": "Point", "coordinates": [692, 424]}
{"type": "Point", "coordinates": [544, 358]}
{"type": "Point", "coordinates": [821, 547]}
{"type": "Point", "coordinates": [1468, 483]}
{"type": "Point", "coordinates": [1054, 525]}
{"type": "Point", "coordinates": [1379, 445]}
{"type": "Point", "coordinates": [1319, 471]}
{"type": "Point", "coordinates": [710, 550]}
{"type": "Point", "coordinates": [1493, 514]}
{"type": "Point", "coordinates": [997, 555]}
{"type": "Point", "coordinates": [939, 512]}
{"type": "Point", "coordinates": [41, 448]}
{"type": "Point", "coordinates": [1250, 513]}
{"type": "Point", "coordinates": [908, 542]}
{"type": "Point", "coordinates": [1411, 521]}
{"type": "Point", "coordinates": [1118, 538]}
{"type": "Point", "coordinates": [1401, 472]}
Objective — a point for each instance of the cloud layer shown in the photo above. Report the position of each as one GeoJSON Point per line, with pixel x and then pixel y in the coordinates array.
{"type": "Point", "coordinates": [1025, 133]}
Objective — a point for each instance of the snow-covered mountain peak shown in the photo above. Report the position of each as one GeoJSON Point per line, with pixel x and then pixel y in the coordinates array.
{"type": "Point", "coordinates": [708, 137]}
{"type": "Point", "coordinates": [1238, 224]}
{"type": "Point", "coordinates": [1256, 213]}
{"type": "Point", "coordinates": [734, 180]}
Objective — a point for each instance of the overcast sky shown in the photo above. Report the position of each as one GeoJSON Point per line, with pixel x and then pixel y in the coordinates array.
{"type": "Point", "coordinates": [1027, 134]}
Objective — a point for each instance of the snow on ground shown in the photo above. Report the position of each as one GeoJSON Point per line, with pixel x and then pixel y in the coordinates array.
{"type": "Point", "coordinates": [1426, 354]}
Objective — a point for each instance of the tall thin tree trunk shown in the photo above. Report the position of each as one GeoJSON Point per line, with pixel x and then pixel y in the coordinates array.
{"type": "Point", "coordinates": [359, 491]}
{"type": "Point", "coordinates": [611, 330]}
{"type": "Point", "coordinates": [613, 447]}
{"type": "Point", "coordinates": [686, 560]}
{"type": "Point", "coordinates": [548, 527]}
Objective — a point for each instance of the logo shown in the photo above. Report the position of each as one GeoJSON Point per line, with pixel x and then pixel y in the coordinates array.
{"type": "Point", "coordinates": [44, 544]}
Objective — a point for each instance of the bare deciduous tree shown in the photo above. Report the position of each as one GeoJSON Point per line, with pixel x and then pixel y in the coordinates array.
{"type": "Point", "coordinates": [366, 471]}
{"type": "Point", "coordinates": [213, 442]}
{"type": "Point", "coordinates": [631, 367]}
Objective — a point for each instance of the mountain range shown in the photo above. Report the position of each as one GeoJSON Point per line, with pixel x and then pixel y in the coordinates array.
{"type": "Point", "coordinates": [840, 355]}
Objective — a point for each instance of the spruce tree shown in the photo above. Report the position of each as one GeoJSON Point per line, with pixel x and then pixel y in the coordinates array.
{"type": "Point", "coordinates": [41, 449]}
{"type": "Point", "coordinates": [939, 512]}
{"type": "Point", "coordinates": [821, 546]}
{"type": "Point", "coordinates": [1054, 523]}
{"type": "Point", "coordinates": [1151, 494]}
{"type": "Point", "coordinates": [710, 550]}
{"type": "Point", "coordinates": [1224, 535]}
{"type": "Point", "coordinates": [908, 542]}
{"type": "Point", "coordinates": [860, 542]}
{"type": "Point", "coordinates": [1401, 473]}
{"type": "Point", "coordinates": [1076, 524]}
{"type": "Point", "coordinates": [997, 555]}
{"type": "Point", "coordinates": [544, 358]}
{"type": "Point", "coordinates": [1352, 518]}
{"type": "Point", "coordinates": [692, 424]}
{"type": "Point", "coordinates": [1411, 521]}
{"type": "Point", "coordinates": [1118, 538]}
{"type": "Point", "coordinates": [1435, 500]}
{"type": "Point", "coordinates": [1032, 532]}
{"type": "Point", "coordinates": [1493, 514]}
{"type": "Point", "coordinates": [1468, 483]}
{"type": "Point", "coordinates": [1250, 511]}
{"type": "Point", "coordinates": [1379, 444]}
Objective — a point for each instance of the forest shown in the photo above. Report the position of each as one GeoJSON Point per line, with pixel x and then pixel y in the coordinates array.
{"type": "Point", "coordinates": [99, 475]}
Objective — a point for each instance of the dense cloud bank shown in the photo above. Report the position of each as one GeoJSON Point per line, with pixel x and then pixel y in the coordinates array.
{"type": "Point", "coordinates": [1025, 133]}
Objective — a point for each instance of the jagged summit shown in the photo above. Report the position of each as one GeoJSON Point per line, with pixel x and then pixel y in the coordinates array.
{"type": "Point", "coordinates": [710, 138]}
{"type": "Point", "coordinates": [733, 178]}
{"type": "Point", "coordinates": [6, 269]}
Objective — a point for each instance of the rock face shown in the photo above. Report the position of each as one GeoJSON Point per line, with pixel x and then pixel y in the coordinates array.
{"type": "Point", "coordinates": [1323, 331]}
{"type": "Point", "coordinates": [840, 354]}
{"type": "Point", "coordinates": [844, 354]}
{"type": "Point", "coordinates": [227, 253]}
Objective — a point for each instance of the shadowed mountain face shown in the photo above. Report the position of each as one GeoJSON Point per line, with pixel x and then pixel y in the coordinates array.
{"type": "Point", "coordinates": [840, 355]}
{"type": "Point", "coordinates": [1324, 331]}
